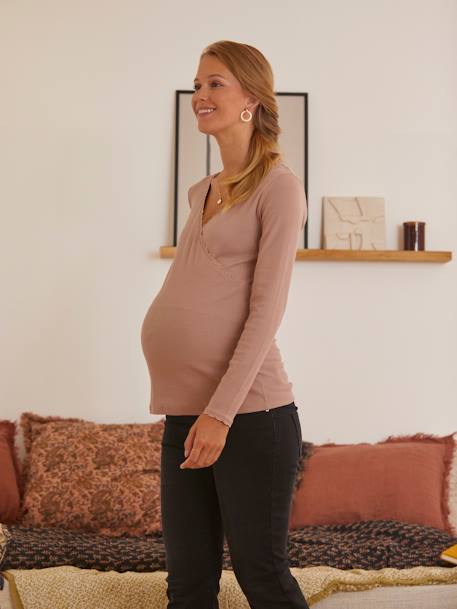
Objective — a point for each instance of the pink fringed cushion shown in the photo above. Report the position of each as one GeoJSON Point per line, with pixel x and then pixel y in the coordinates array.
{"type": "Point", "coordinates": [96, 477]}
{"type": "Point", "coordinates": [406, 478]}
{"type": "Point", "coordinates": [9, 474]}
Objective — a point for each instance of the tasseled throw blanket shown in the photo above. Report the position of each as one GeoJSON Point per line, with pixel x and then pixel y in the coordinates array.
{"type": "Point", "coordinates": [67, 586]}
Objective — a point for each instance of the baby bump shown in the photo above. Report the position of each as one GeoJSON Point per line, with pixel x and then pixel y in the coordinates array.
{"type": "Point", "coordinates": [174, 337]}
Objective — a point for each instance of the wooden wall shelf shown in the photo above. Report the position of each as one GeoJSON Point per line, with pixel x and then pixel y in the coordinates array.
{"type": "Point", "coordinates": [168, 251]}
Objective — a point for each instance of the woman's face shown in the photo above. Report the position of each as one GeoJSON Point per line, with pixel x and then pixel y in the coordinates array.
{"type": "Point", "coordinates": [216, 87]}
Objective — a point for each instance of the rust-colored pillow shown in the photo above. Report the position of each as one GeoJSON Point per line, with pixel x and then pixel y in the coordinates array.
{"type": "Point", "coordinates": [96, 477]}
{"type": "Point", "coordinates": [10, 499]}
{"type": "Point", "coordinates": [406, 478]}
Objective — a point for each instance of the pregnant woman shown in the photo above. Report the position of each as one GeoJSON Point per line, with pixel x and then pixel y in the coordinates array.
{"type": "Point", "coordinates": [232, 436]}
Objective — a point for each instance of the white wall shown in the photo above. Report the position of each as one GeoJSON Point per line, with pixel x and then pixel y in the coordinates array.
{"type": "Point", "coordinates": [86, 158]}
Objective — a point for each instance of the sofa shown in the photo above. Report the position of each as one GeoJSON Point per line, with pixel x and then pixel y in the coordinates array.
{"type": "Point", "coordinates": [80, 521]}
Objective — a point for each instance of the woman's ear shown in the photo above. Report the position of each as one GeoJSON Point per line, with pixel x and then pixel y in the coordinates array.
{"type": "Point", "coordinates": [252, 103]}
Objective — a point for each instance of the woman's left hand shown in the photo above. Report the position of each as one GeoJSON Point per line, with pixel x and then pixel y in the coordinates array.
{"type": "Point", "coordinates": [204, 442]}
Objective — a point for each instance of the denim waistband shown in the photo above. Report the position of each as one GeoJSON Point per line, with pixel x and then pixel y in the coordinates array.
{"type": "Point", "coordinates": [276, 411]}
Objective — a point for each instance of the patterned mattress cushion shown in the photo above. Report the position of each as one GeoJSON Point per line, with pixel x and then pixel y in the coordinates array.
{"type": "Point", "coordinates": [358, 545]}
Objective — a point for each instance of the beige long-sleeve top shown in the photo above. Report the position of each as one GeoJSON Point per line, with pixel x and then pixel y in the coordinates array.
{"type": "Point", "coordinates": [208, 337]}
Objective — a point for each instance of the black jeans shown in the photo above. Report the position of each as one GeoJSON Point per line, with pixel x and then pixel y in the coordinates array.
{"type": "Point", "coordinates": [245, 495]}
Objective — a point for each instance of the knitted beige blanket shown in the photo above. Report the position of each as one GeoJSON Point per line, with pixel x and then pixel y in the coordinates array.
{"type": "Point", "coordinates": [68, 586]}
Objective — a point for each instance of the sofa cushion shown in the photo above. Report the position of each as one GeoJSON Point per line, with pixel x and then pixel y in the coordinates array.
{"type": "Point", "coordinates": [9, 474]}
{"type": "Point", "coordinates": [95, 477]}
{"type": "Point", "coordinates": [405, 478]}
{"type": "Point", "coordinates": [376, 544]}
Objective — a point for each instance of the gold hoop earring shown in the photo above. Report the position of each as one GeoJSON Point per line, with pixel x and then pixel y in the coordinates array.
{"type": "Point", "coordinates": [246, 120]}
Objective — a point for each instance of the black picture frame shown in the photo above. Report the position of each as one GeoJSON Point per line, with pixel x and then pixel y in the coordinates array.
{"type": "Point", "coordinates": [180, 203]}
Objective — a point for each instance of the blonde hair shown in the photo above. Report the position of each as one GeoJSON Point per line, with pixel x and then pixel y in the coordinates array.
{"type": "Point", "coordinates": [255, 75]}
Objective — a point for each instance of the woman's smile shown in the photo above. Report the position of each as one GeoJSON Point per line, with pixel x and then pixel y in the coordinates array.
{"type": "Point", "coordinates": [205, 113]}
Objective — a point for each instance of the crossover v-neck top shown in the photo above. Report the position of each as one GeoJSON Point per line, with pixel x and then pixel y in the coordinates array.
{"type": "Point", "coordinates": [208, 336]}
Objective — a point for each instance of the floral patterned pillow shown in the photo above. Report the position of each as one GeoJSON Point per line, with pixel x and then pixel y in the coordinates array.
{"type": "Point", "coordinates": [96, 477]}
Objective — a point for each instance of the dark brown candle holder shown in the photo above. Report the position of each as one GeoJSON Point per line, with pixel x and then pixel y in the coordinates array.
{"type": "Point", "coordinates": [414, 235]}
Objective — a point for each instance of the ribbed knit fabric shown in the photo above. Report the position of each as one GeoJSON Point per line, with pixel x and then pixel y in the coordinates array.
{"type": "Point", "coordinates": [209, 335]}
